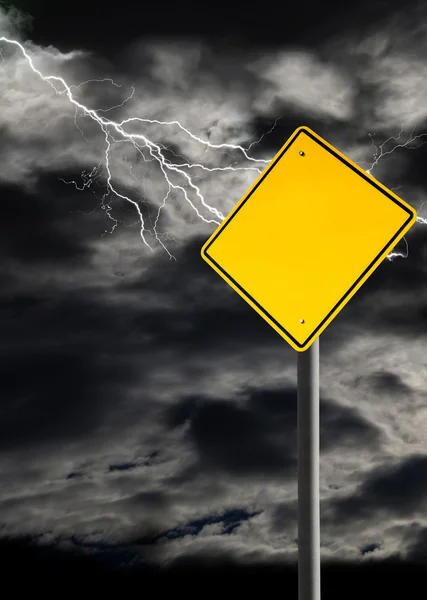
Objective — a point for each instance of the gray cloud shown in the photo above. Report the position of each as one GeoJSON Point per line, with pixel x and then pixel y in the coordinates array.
{"type": "Point", "coordinates": [384, 381]}
{"type": "Point", "coordinates": [399, 490]}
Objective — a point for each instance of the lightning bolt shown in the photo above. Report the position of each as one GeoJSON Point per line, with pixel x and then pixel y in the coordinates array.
{"type": "Point", "coordinates": [115, 132]}
{"type": "Point", "coordinates": [380, 154]}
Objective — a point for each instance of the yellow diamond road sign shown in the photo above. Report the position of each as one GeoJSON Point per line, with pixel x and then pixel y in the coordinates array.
{"type": "Point", "coordinates": [306, 236]}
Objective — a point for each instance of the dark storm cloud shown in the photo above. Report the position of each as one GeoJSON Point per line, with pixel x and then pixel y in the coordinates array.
{"type": "Point", "coordinates": [288, 119]}
{"type": "Point", "coordinates": [385, 381]}
{"type": "Point", "coordinates": [59, 392]}
{"type": "Point", "coordinates": [257, 434]}
{"type": "Point", "coordinates": [204, 311]}
{"type": "Point", "coordinates": [74, 347]}
{"type": "Point", "coordinates": [399, 490]}
{"type": "Point", "coordinates": [32, 230]}
{"type": "Point", "coordinates": [232, 439]}
{"type": "Point", "coordinates": [339, 425]}
{"type": "Point", "coordinates": [191, 331]}
{"type": "Point", "coordinates": [61, 369]}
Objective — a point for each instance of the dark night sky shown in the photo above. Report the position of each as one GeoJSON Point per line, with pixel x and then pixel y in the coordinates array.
{"type": "Point", "coordinates": [93, 25]}
{"type": "Point", "coordinates": [147, 415]}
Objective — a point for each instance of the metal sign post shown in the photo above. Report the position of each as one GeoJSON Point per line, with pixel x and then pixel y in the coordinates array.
{"type": "Point", "coordinates": [308, 474]}
{"type": "Point", "coordinates": [296, 236]}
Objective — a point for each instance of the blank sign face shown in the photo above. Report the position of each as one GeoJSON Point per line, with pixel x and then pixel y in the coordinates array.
{"type": "Point", "coordinates": [305, 237]}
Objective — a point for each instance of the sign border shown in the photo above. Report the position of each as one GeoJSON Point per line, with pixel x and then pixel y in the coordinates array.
{"type": "Point", "coordinates": [360, 280]}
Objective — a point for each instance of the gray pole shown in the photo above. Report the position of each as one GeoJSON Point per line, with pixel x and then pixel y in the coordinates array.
{"type": "Point", "coordinates": [308, 474]}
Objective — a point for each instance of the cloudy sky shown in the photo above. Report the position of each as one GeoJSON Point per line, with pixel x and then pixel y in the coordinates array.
{"type": "Point", "coordinates": [144, 406]}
